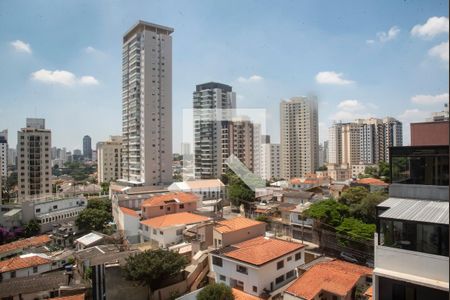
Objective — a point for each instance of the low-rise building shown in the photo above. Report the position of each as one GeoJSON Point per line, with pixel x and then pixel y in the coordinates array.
{"type": "Point", "coordinates": [337, 280]}
{"type": "Point", "coordinates": [339, 172]}
{"type": "Point", "coordinates": [236, 230]}
{"type": "Point", "coordinates": [128, 223]}
{"type": "Point", "coordinates": [359, 169]}
{"type": "Point", "coordinates": [258, 266]}
{"type": "Point", "coordinates": [52, 212]}
{"type": "Point", "coordinates": [21, 246]}
{"type": "Point", "coordinates": [208, 188]}
{"type": "Point", "coordinates": [372, 184]}
{"type": "Point", "coordinates": [91, 239]}
{"type": "Point", "coordinates": [26, 265]}
{"type": "Point", "coordinates": [167, 230]}
{"type": "Point", "coordinates": [169, 203]}
{"type": "Point", "coordinates": [337, 189]}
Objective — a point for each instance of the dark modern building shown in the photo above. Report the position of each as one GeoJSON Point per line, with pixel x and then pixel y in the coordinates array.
{"type": "Point", "coordinates": [87, 147]}
{"type": "Point", "coordinates": [412, 240]}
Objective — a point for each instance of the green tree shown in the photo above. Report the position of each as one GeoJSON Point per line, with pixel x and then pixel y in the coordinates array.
{"type": "Point", "coordinates": [216, 291]}
{"type": "Point", "coordinates": [356, 229]}
{"type": "Point", "coordinates": [353, 195]}
{"type": "Point", "coordinates": [365, 210]}
{"type": "Point", "coordinates": [262, 218]}
{"type": "Point", "coordinates": [100, 203]}
{"type": "Point", "coordinates": [152, 267]}
{"type": "Point", "coordinates": [93, 219]}
{"type": "Point", "coordinates": [32, 228]}
{"type": "Point", "coordinates": [384, 171]}
{"type": "Point", "coordinates": [238, 191]}
{"type": "Point", "coordinates": [105, 187]}
{"type": "Point", "coordinates": [328, 211]}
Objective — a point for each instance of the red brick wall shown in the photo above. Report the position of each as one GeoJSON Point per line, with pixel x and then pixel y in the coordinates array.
{"type": "Point", "coordinates": [429, 133]}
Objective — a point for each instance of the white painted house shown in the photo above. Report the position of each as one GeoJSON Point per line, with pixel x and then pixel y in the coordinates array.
{"type": "Point", "coordinates": [259, 266]}
{"type": "Point", "coordinates": [167, 230]}
{"type": "Point", "coordinates": [128, 223]}
{"type": "Point", "coordinates": [26, 265]}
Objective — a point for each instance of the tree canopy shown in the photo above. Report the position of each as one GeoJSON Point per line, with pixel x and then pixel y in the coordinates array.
{"type": "Point", "coordinates": [216, 291]}
{"type": "Point", "coordinates": [32, 228]}
{"type": "Point", "coordinates": [356, 229]}
{"type": "Point", "coordinates": [238, 191]}
{"type": "Point", "coordinates": [328, 211]}
{"type": "Point", "coordinates": [151, 267]}
{"type": "Point", "coordinates": [93, 219]}
{"type": "Point", "coordinates": [353, 195]}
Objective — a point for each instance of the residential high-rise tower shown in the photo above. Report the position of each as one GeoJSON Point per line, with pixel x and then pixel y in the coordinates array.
{"type": "Point", "coordinates": [147, 104]}
{"type": "Point", "coordinates": [87, 147]}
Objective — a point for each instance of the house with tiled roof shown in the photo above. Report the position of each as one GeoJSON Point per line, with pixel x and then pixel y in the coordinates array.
{"type": "Point", "coordinates": [336, 279]}
{"type": "Point", "coordinates": [20, 246]}
{"type": "Point", "coordinates": [167, 230]}
{"type": "Point", "coordinates": [372, 184]}
{"type": "Point", "coordinates": [127, 221]}
{"type": "Point", "coordinates": [169, 203]}
{"type": "Point", "coordinates": [259, 266]}
{"type": "Point", "coordinates": [26, 265]}
{"type": "Point", "coordinates": [206, 188]}
{"type": "Point", "coordinates": [236, 230]}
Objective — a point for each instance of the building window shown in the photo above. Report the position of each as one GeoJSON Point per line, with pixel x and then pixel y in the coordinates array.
{"type": "Point", "coordinates": [161, 233]}
{"type": "Point", "coordinates": [290, 274]}
{"type": "Point", "coordinates": [222, 278]}
{"type": "Point", "coordinates": [179, 231]}
{"type": "Point", "coordinates": [35, 269]}
{"type": "Point", "coordinates": [13, 274]}
{"type": "Point", "coordinates": [155, 232]}
{"type": "Point", "coordinates": [279, 280]}
{"type": "Point", "coordinates": [289, 258]}
{"type": "Point", "coordinates": [280, 264]}
{"type": "Point", "coordinates": [241, 269]}
{"type": "Point", "coordinates": [38, 210]}
{"type": "Point", "coordinates": [181, 206]}
{"type": "Point", "coordinates": [298, 256]}
{"type": "Point", "coordinates": [255, 289]}
{"type": "Point", "coordinates": [161, 207]}
{"type": "Point", "coordinates": [217, 261]}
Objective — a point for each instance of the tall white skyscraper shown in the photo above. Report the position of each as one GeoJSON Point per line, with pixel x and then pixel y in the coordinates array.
{"type": "Point", "coordinates": [34, 160]}
{"type": "Point", "coordinates": [147, 105]}
{"type": "Point", "coordinates": [299, 135]}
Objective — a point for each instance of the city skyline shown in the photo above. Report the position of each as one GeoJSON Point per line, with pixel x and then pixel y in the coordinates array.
{"type": "Point", "coordinates": [395, 65]}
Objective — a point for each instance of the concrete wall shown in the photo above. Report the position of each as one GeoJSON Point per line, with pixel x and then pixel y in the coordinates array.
{"type": "Point", "coordinates": [429, 133]}
{"type": "Point", "coordinates": [156, 211]}
{"type": "Point", "coordinates": [234, 237]}
{"type": "Point", "coordinates": [419, 191]}
{"type": "Point", "coordinates": [28, 272]}
{"type": "Point", "coordinates": [117, 288]}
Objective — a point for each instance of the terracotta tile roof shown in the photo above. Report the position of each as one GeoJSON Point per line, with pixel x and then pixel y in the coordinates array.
{"type": "Point", "coordinates": [369, 293]}
{"type": "Point", "coordinates": [73, 297]}
{"type": "Point", "coordinates": [235, 224]}
{"type": "Point", "coordinates": [22, 262]}
{"type": "Point", "coordinates": [336, 277]}
{"type": "Point", "coordinates": [174, 219]}
{"type": "Point", "coordinates": [129, 211]}
{"type": "Point", "coordinates": [372, 181]}
{"type": "Point", "coordinates": [177, 196]}
{"type": "Point", "coordinates": [240, 295]}
{"type": "Point", "coordinates": [25, 243]}
{"type": "Point", "coordinates": [261, 250]}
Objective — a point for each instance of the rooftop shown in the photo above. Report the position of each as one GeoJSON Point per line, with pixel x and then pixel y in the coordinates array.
{"type": "Point", "coordinates": [23, 261]}
{"type": "Point", "coordinates": [426, 211]}
{"type": "Point", "coordinates": [372, 181]}
{"type": "Point", "coordinates": [240, 295]}
{"type": "Point", "coordinates": [183, 218]}
{"type": "Point", "coordinates": [72, 297]}
{"type": "Point", "coordinates": [260, 250]}
{"type": "Point", "coordinates": [179, 197]}
{"type": "Point", "coordinates": [142, 25]}
{"type": "Point", "coordinates": [25, 243]}
{"type": "Point", "coordinates": [89, 238]}
{"type": "Point", "coordinates": [199, 184]}
{"type": "Point", "coordinates": [336, 277]}
{"type": "Point", "coordinates": [234, 224]}
{"type": "Point", "coordinates": [129, 211]}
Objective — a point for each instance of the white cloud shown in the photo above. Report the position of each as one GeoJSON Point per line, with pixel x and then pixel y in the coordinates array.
{"type": "Point", "coordinates": [434, 26]}
{"type": "Point", "coordinates": [440, 51]}
{"type": "Point", "coordinates": [413, 115]}
{"type": "Point", "coordinates": [21, 46]}
{"type": "Point", "coordinates": [391, 34]}
{"type": "Point", "coordinates": [92, 50]}
{"type": "Point", "coordinates": [384, 37]}
{"type": "Point", "coordinates": [253, 78]}
{"type": "Point", "coordinates": [62, 77]}
{"type": "Point", "coordinates": [430, 99]}
{"type": "Point", "coordinates": [330, 77]}
{"type": "Point", "coordinates": [88, 80]}
{"type": "Point", "coordinates": [350, 105]}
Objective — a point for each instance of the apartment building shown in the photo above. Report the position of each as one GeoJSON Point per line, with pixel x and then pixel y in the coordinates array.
{"type": "Point", "coordinates": [109, 159]}
{"type": "Point", "coordinates": [411, 243]}
{"type": "Point", "coordinates": [147, 104]}
{"type": "Point", "coordinates": [3, 155]}
{"type": "Point", "coordinates": [350, 144]}
{"type": "Point", "coordinates": [275, 161]}
{"type": "Point", "coordinates": [211, 126]}
{"type": "Point", "coordinates": [335, 144]}
{"type": "Point", "coordinates": [239, 141]}
{"type": "Point", "coordinates": [34, 160]}
{"type": "Point", "coordinates": [299, 136]}
{"type": "Point", "coordinates": [269, 159]}
{"type": "Point", "coordinates": [87, 147]}
{"type": "Point", "coordinates": [258, 266]}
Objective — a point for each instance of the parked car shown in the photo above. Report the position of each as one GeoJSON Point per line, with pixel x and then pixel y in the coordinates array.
{"type": "Point", "coordinates": [348, 257]}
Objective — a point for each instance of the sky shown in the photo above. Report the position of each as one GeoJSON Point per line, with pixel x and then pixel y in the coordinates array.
{"type": "Point", "coordinates": [61, 60]}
